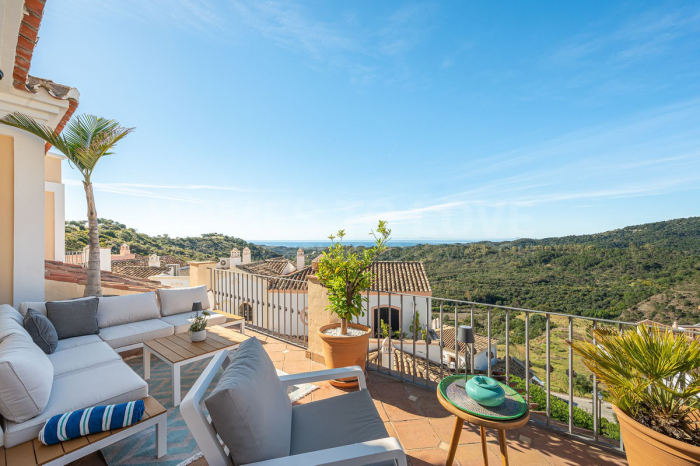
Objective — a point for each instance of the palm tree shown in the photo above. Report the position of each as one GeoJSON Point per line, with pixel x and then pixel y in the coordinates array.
{"type": "Point", "coordinates": [84, 141]}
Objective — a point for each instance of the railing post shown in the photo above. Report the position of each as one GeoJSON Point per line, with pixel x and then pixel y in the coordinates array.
{"type": "Point", "coordinates": [508, 345]}
{"type": "Point", "coordinates": [571, 377]}
{"type": "Point", "coordinates": [548, 369]}
{"type": "Point", "coordinates": [527, 356]}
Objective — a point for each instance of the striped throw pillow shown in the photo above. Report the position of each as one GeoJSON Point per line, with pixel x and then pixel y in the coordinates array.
{"type": "Point", "coordinates": [75, 424]}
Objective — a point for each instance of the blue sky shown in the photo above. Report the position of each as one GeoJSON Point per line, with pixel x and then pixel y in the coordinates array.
{"type": "Point", "coordinates": [451, 120]}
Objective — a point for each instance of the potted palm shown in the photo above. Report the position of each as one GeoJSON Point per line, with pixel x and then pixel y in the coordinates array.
{"type": "Point", "coordinates": [346, 274]}
{"type": "Point", "coordinates": [653, 380]}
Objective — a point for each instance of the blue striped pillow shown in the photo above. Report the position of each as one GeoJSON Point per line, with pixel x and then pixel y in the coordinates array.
{"type": "Point", "coordinates": [75, 424]}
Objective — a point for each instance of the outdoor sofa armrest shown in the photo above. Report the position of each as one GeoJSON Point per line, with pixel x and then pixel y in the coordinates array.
{"type": "Point", "coordinates": [358, 454]}
{"type": "Point", "coordinates": [317, 376]}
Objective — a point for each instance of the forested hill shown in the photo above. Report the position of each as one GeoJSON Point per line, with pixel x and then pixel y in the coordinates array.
{"type": "Point", "coordinates": [209, 246]}
{"type": "Point", "coordinates": [642, 271]}
{"type": "Point", "coordinates": [607, 275]}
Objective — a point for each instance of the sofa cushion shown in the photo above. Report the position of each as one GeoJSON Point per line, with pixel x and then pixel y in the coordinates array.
{"type": "Point", "coordinates": [82, 357]}
{"type": "Point", "coordinates": [26, 375]}
{"type": "Point", "coordinates": [41, 330]}
{"type": "Point", "coordinates": [41, 305]}
{"type": "Point", "coordinates": [136, 332]}
{"type": "Point", "coordinates": [179, 300]}
{"type": "Point", "coordinates": [11, 321]}
{"type": "Point", "coordinates": [117, 310]}
{"type": "Point", "coordinates": [182, 322]}
{"type": "Point", "coordinates": [104, 384]}
{"type": "Point", "coordinates": [315, 425]}
{"type": "Point", "coordinates": [250, 408]}
{"type": "Point", "coordinates": [73, 318]}
{"type": "Point", "coordinates": [77, 341]}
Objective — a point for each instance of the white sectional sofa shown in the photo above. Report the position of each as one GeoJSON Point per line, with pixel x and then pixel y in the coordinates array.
{"type": "Point", "coordinates": [83, 371]}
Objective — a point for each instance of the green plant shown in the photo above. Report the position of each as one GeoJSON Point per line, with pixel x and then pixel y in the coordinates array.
{"type": "Point", "coordinates": [649, 374]}
{"type": "Point", "coordinates": [559, 410]}
{"type": "Point", "coordinates": [199, 321]}
{"type": "Point", "coordinates": [346, 274]}
{"type": "Point", "coordinates": [416, 329]}
{"type": "Point", "coordinates": [84, 141]}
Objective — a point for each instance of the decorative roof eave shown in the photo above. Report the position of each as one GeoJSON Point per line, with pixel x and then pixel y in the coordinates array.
{"type": "Point", "coordinates": [26, 42]}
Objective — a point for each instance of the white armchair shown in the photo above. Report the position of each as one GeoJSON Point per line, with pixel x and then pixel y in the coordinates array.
{"type": "Point", "coordinates": [386, 450]}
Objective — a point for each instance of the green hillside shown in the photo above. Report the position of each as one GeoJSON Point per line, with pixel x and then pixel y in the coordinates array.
{"type": "Point", "coordinates": [631, 272]}
{"type": "Point", "coordinates": [210, 246]}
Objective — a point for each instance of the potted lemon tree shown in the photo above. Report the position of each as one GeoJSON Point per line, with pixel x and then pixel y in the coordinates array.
{"type": "Point", "coordinates": [652, 378]}
{"type": "Point", "coordinates": [346, 273]}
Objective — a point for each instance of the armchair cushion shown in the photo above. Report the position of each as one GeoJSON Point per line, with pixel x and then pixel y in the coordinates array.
{"type": "Point", "coordinates": [249, 407]}
{"type": "Point", "coordinates": [41, 330]}
{"type": "Point", "coordinates": [335, 422]}
{"type": "Point", "coordinates": [117, 310]}
{"type": "Point", "coordinates": [73, 318]}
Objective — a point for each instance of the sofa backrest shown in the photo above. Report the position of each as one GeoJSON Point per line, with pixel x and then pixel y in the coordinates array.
{"type": "Point", "coordinates": [117, 310]}
{"type": "Point", "coordinates": [180, 300]}
{"type": "Point", "coordinates": [40, 305]}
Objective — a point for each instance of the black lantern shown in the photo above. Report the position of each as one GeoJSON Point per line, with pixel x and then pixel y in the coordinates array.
{"type": "Point", "coordinates": [465, 334]}
{"type": "Point", "coordinates": [196, 306]}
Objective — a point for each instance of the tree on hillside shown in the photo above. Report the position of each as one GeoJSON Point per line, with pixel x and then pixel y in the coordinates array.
{"type": "Point", "coordinates": [84, 141]}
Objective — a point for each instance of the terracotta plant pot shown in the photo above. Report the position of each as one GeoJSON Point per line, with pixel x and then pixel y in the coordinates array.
{"type": "Point", "coordinates": [344, 351]}
{"type": "Point", "coordinates": [646, 447]}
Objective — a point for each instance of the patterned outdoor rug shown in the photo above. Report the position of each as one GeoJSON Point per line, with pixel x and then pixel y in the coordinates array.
{"type": "Point", "coordinates": [139, 449]}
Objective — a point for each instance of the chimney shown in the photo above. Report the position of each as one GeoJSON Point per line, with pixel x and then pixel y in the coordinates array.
{"type": "Point", "coordinates": [301, 263]}
{"type": "Point", "coordinates": [124, 250]}
{"type": "Point", "coordinates": [246, 255]}
{"type": "Point", "coordinates": [314, 263]}
{"type": "Point", "coordinates": [235, 257]}
{"type": "Point", "coordinates": [153, 260]}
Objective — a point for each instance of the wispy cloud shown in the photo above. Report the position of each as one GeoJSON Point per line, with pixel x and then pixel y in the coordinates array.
{"type": "Point", "coordinates": [130, 189]}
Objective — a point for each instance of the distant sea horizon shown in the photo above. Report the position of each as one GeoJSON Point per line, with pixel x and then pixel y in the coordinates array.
{"type": "Point", "coordinates": [394, 242]}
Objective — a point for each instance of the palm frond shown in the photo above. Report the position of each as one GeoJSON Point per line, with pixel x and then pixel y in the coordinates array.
{"type": "Point", "coordinates": [28, 124]}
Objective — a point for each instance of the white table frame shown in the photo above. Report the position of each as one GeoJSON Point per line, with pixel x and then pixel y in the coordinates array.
{"type": "Point", "coordinates": [175, 366]}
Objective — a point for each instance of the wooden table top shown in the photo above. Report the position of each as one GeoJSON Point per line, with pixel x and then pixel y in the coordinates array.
{"type": "Point", "coordinates": [483, 422]}
{"type": "Point", "coordinates": [34, 452]}
{"type": "Point", "coordinates": [179, 347]}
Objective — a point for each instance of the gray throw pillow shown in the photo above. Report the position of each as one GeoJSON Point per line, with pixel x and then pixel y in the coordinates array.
{"type": "Point", "coordinates": [74, 318]}
{"type": "Point", "coordinates": [42, 331]}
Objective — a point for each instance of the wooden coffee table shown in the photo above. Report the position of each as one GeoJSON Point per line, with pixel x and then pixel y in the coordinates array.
{"type": "Point", "coordinates": [178, 350]}
{"type": "Point", "coordinates": [483, 423]}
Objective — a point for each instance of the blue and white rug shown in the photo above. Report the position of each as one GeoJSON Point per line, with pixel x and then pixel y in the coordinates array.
{"type": "Point", "coordinates": [139, 449]}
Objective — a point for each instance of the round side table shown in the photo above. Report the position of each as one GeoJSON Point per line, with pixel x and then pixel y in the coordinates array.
{"type": "Point", "coordinates": [483, 423]}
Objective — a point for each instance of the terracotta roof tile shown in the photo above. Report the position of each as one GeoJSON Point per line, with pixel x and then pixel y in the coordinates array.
{"type": "Point", "coordinates": [517, 368]}
{"type": "Point", "coordinates": [390, 276]}
{"type": "Point", "coordinates": [270, 267]}
{"type": "Point", "coordinates": [59, 271]}
{"type": "Point", "coordinates": [447, 339]}
{"type": "Point", "coordinates": [294, 281]}
{"type": "Point", "coordinates": [400, 277]}
{"type": "Point", "coordinates": [26, 42]}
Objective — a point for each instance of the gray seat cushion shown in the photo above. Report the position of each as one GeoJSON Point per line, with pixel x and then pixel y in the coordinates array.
{"type": "Point", "coordinates": [250, 408]}
{"type": "Point", "coordinates": [117, 310]}
{"type": "Point", "coordinates": [81, 357]}
{"type": "Point", "coordinates": [182, 322]}
{"type": "Point", "coordinates": [105, 384]}
{"type": "Point", "coordinates": [179, 300]}
{"type": "Point", "coordinates": [77, 341]}
{"type": "Point", "coordinates": [73, 318]}
{"type": "Point", "coordinates": [335, 422]}
{"type": "Point", "coordinates": [135, 332]}
{"type": "Point", "coordinates": [41, 330]}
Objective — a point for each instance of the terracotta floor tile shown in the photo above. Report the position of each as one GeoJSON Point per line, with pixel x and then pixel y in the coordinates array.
{"type": "Point", "coordinates": [276, 356]}
{"type": "Point", "coordinates": [380, 410]}
{"type": "Point", "coordinates": [274, 346]}
{"type": "Point", "coordinates": [402, 410]}
{"type": "Point", "coordinates": [471, 455]}
{"type": "Point", "coordinates": [429, 457]}
{"type": "Point", "coordinates": [390, 430]}
{"type": "Point", "coordinates": [520, 453]}
{"type": "Point", "coordinates": [326, 392]}
{"type": "Point", "coordinates": [317, 367]}
{"type": "Point", "coordinates": [432, 408]}
{"type": "Point", "coordinates": [378, 378]}
{"type": "Point", "coordinates": [416, 434]}
{"type": "Point", "coordinates": [445, 426]}
{"type": "Point", "coordinates": [278, 364]}
{"type": "Point", "coordinates": [295, 356]}
{"type": "Point", "coordinates": [421, 392]}
{"type": "Point", "coordinates": [296, 367]}
{"type": "Point", "coordinates": [391, 391]}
